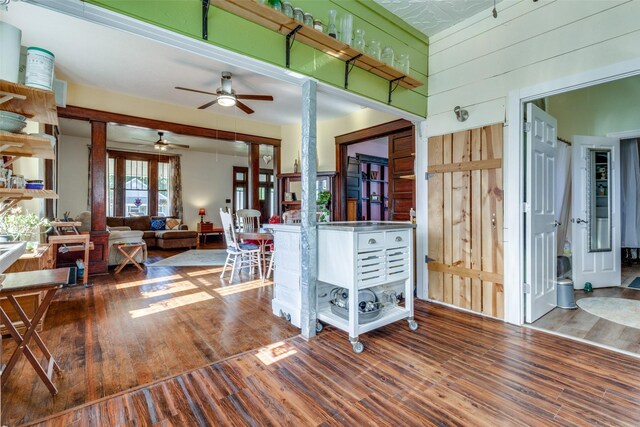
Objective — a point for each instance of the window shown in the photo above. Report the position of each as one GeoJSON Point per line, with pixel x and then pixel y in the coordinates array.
{"type": "Point", "coordinates": [138, 184]}
{"type": "Point", "coordinates": [240, 196]}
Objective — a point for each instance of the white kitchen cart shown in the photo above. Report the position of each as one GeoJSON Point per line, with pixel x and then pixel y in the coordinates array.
{"type": "Point", "coordinates": [377, 256]}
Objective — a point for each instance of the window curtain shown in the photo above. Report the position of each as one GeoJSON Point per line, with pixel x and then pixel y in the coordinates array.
{"type": "Point", "coordinates": [563, 194]}
{"type": "Point", "coordinates": [176, 187]}
{"type": "Point", "coordinates": [629, 197]}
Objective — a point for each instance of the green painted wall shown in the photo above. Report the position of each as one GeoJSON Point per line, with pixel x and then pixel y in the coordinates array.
{"type": "Point", "coordinates": [239, 35]}
{"type": "Point", "coordinates": [598, 110]}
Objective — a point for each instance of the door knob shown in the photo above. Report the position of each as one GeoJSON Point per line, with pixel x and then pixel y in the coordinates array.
{"type": "Point", "coordinates": [556, 224]}
{"type": "Point", "coordinates": [581, 221]}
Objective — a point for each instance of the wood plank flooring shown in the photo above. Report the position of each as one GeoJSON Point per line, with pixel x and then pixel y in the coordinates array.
{"type": "Point", "coordinates": [135, 328]}
{"type": "Point", "coordinates": [457, 369]}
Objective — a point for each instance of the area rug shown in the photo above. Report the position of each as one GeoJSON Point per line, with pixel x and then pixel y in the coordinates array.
{"type": "Point", "coordinates": [619, 310]}
{"type": "Point", "coordinates": [635, 283]}
{"type": "Point", "coordinates": [194, 258]}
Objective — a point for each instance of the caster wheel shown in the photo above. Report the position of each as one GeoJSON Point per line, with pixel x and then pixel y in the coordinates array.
{"type": "Point", "coordinates": [413, 325]}
{"type": "Point", "coordinates": [319, 327]}
{"type": "Point", "coordinates": [358, 347]}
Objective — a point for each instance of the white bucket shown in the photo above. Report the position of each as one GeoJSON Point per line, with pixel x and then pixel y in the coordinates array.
{"type": "Point", "coordinates": [10, 38]}
{"type": "Point", "coordinates": [39, 68]}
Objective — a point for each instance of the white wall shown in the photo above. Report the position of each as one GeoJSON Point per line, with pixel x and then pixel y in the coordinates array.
{"type": "Point", "coordinates": [477, 62]}
{"type": "Point", "coordinates": [73, 174]}
{"type": "Point", "coordinates": [379, 148]}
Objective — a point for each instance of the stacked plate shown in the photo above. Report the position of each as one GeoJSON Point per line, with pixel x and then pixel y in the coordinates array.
{"type": "Point", "coordinates": [12, 122]}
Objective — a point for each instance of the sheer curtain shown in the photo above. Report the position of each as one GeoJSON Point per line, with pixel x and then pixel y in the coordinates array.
{"type": "Point", "coordinates": [629, 197]}
{"type": "Point", "coordinates": [563, 194]}
{"type": "Point", "coordinates": [176, 187]}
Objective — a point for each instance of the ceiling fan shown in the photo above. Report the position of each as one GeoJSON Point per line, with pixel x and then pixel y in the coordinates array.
{"type": "Point", "coordinates": [162, 144]}
{"type": "Point", "coordinates": [227, 97]}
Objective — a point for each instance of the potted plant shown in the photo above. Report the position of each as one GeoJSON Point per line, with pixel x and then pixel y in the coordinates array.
{"type": "Point", "coordinates": [324, 198]}
{"type": "Point", "coordinates": [16, 226]}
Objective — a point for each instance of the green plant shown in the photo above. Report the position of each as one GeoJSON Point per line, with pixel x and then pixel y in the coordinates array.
{"type": "Point", "coordinates": [322, 203]}
{"type": "Point", "coordinates": [19, 225]}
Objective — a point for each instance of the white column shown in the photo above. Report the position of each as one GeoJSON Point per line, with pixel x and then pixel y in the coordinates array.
{"type": "Point", "coordinates": [309, 267]}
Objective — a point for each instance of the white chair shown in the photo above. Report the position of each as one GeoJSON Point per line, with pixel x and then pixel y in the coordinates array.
{"type": "Point", "coordinates": [248, 219]}
{"type": "Point", "coordinates": [239, 255]}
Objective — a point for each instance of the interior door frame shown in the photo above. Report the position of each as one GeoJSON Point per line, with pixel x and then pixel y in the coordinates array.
{"type": "Point", "coordinates": [514, 173]}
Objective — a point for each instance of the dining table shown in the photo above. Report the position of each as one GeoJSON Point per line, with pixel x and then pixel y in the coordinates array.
{"type": "Point", "coordinates": [263, 237]}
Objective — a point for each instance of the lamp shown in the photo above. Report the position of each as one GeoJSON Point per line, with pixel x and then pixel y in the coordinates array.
{"type": "Point", "coordinates": [461, 114]}
{"type": "Point", "coordinates": [226, 100]}
{"type": "Point", "coordinates": [202, 213]}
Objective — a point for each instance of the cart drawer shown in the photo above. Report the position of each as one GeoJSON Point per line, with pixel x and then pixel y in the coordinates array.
{"type": "Point", "coordinates": [370, 241]}
{"type": "Point", "coordinates": [398, 238]}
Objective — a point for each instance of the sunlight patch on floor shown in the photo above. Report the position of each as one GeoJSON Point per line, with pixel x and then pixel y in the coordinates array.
{"type": "Point", "coordinates": [275, 352]}
{"type": "Point", "coordinates": [241, 287]}
{"type": "Point", "coordinates": [204, 271]}
{"type": "Point", "coordinates": [170, 304]}
{"type": "Point", "coordinates": [134, 283]}
{"type": "Point", "coordinates": [168, 288]}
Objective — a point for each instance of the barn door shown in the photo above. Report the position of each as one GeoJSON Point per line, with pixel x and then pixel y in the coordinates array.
{"type": "Point", "coordinates": [402, 182]}
{"type": "Point", "coordinates": [465, 220]}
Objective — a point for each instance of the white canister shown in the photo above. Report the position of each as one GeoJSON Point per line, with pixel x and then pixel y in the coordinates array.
{"type": "Point", "coordinates": [10, 38]}
{"type": "Point", "coordinates": [39, 68]}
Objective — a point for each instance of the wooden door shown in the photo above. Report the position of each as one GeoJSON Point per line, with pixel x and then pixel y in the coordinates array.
{"type": "Point", "coordinates": [402, 182]}
{"type": "Point", "coordinates": [465, 220]}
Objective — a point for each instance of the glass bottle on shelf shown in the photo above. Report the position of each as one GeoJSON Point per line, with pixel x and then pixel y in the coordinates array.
{"type": "Point", "coordinates": [298, 14]}
{"type": "Point", "coordinates": [276, 5]}
{"type": "Point", "coordinates": [387, 56]}
{"type": "Point", "coordinates": [358, 39]}
{"type": "Point", "coordinates": [374, 49]}
{"type": "Point", "coordinates": [317, 25]}
{"type": "Point", "coordinates": [308, 20]}
{"type": "Point", "coordinates": [332, 30]}
{"type": "Point", "coordinates": [402, 63]}
{"type": "Point", "coordinates": [287, 9]}
{"type": "Point", "coordinates": [346, 28]}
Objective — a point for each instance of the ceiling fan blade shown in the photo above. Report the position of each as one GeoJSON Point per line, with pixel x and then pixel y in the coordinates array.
{"type": "Point", "coordinates": [244, 107]}
{"type": "Point", "coordinates": [256, 97]}
{"type": "Point", "coordinates": [195, 90]}
{"type": "Point", "coordinates": [145, 140]}
{"type": "Point", "coordinates": [208, 104]}
{"type": "Point", "coordinates": [173, 145]}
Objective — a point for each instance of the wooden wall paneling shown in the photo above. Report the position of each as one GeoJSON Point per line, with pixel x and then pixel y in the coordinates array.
{"type": "Point", "coordinates": [153, 186]}
{"type": "Point", "coordinates": [99, 234]}
{"type": "Point", "coordinates": [436, 225]}
{"type": "Point", "coordinates": [476, 220]}
{"type": "Point", "coordinates": [492, 221]}
{"type": "Point", "coordinates": [253, 176]}
{"type": "Point", "coordinates": [119, 202]}
{"type": "Point", "coordinates": [447, 220]}
{"type": "Point", "coordinates": [461, 219]}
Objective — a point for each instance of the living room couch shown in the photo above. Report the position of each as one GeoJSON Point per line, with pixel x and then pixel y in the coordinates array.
{"type": "Point", "coordinates": [181, 237]}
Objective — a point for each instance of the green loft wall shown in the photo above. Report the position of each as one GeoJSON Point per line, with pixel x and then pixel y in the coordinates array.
{"type": "Point", "coordinates": [598, 110]}
{"type": "Point", "coordinates": [239, 35]}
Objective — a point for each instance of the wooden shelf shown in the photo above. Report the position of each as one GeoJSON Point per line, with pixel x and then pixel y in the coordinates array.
{"type": "Point", "coordinates": [36, 104]}
{"type": "Point", "coordinates": [292, 202]}
{"type": "Point", "coordinates": [22, 145]}
{"type": "Point", "coordinates": [279, 22]}
{"type": "Point", "coordinates": [25, 194]}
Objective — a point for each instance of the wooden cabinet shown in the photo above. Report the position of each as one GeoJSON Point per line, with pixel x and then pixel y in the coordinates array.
{"type": "Point", "coordinates": [375, 188]}
{"type": "Point", "coordinates": [41, 259]}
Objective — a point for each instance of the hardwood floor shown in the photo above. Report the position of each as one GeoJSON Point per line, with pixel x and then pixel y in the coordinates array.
{"type": "Point", "coordinates": [135, 328]}
{"type": "Point", "coordinates": [581, 324]}
{"type": "Point", "coordinates": [457, 369]}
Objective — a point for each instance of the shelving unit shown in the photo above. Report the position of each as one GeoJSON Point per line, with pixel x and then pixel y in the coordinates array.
{"type": "Point", "coordinates": [37, 105]}
{"type": "Point", "coordinates": [287, 183]}
{"type": "Point", "coordinates": [374, 191]}
{"type": "Point", "coordinates": [294, 30]}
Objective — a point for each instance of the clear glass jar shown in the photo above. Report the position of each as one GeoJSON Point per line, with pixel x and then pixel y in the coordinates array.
{"type": "Point", "coordinates": [317, 25]}
{"type": "Point", "coordinates": [298, 14]}
{"type": "Point", "coordinates": [358, 39]}
{"type": "Point", "coordinates": [374, 49]}
{"type": "Point", "coordinates": [402, 63]}
{"type": "Point", "coordinates": [308, 20]}
{"type": "Point", "coordinates": [346, 28]}
{"type": "Point", "coordinates": [287, 9]}
{"type": "Point", "coordinates": [332, 29]}
{"type": "Point", "coordinates": [387, 56]}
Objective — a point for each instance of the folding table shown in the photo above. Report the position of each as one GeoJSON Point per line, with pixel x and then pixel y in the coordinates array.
{"type": "Point", "coordinates": [15, 284]}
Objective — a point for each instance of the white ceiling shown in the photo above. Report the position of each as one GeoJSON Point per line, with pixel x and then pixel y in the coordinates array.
{"type": "Point", "coordinates": [142, 139]}
{"type": "Point", "coordinates": [433, 16]}
{"type": "Point", "coordinates": [95, 55]}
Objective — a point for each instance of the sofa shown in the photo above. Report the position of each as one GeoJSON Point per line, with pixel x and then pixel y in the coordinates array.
{"type": "Point", "coordinates": [181, 237]}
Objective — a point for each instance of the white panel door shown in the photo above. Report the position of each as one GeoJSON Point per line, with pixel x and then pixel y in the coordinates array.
{"type": "Point", "coordinates": [600, 268]}
{"type": "Point", "coordinates": [540, 261]}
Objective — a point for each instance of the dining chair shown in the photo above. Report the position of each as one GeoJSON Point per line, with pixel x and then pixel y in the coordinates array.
{"type": "Point", "coordinates": [239, 255]}
{"type": "Point", "coordinates": [248, 219]}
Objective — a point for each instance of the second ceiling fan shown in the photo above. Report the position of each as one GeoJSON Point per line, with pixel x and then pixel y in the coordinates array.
{"type": "Point", "coordinates": [227, 97]}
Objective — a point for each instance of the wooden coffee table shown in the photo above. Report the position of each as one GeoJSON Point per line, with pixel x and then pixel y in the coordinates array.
{"type": "Point", "coordinates": [129, 250]}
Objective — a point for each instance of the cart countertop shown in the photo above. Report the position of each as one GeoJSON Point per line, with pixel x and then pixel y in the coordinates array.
{"type": "Point", "coordinates": [365, 225]}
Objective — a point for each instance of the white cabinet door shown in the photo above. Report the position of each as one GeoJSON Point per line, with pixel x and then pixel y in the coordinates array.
{"type": "Point", "coordinates": [599, 267]}
{"type": "Point", "coordinates": [540, 219]}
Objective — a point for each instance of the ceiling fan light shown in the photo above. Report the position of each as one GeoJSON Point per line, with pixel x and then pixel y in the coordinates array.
{"type": "Point", "coordinates": [156, 147]}
{"type": "Point", "coordinates": [226, 100]}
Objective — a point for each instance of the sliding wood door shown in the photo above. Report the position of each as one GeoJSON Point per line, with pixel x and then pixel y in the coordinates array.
{"type": "Point", "coordinates": [402, 182]}
{"type": "Point", "coordinates": [465, 220]}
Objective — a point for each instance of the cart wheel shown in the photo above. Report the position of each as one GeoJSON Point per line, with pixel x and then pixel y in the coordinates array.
{"type": "Point", "coordinates": [319, 327]}
{"type": "Point", "coordinates": [413, 325]}
{"type": "Point", "coordinates": [358, 347]}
